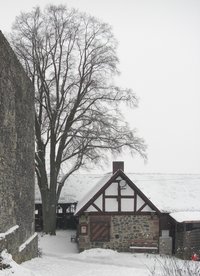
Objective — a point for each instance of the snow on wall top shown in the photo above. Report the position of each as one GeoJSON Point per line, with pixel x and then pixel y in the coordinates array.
{"type": "Point", "coordinates": [8, 232]}
{"type": "Point", "coordinates": [168, 192]}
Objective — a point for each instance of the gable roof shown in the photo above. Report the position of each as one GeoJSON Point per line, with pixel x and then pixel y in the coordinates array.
{"type": "Point", "coordinates": [107, 179]}
{"type": "Point", "coordinates": [168, 192]}
{"type": "Point", "coordinates": [90, 195]}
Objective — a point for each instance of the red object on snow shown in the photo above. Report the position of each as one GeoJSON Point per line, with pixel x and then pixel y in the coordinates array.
{"type": "Point", "coordinates": [195, 257]}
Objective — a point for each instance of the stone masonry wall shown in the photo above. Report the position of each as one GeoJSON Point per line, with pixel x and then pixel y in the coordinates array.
{"type": "Point", "coordinates": [125, 231]}
{"type": "Point", "coordinates": [16, 155]}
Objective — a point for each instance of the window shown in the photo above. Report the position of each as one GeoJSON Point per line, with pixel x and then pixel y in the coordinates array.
{"type": "Point", "coordinates": [59, 209]}
{"type": "Point", "coordinates": [71, 208]}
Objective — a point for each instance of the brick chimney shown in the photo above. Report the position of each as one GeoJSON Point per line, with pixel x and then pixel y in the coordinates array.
{"type": "Point", "coordinates": [118, 165]}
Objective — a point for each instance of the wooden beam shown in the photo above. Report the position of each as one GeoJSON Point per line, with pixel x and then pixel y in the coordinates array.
{"type": "Point", "coordinates": [142, 207]}
{"type": "Point", "coordinates": [119, 198]}
{"type": "Point", "coordinates": [103, 205]}
{"type": "Point", "coordinates": [135, 202]}
{"type": "Point", "coordinates": [96, 207]}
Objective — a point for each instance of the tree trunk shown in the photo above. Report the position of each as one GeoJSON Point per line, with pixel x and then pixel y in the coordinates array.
{"type": "Point", "coordinates": [48, 213]}
{"type": "Point", "coordinates": [47, 190]}
{"type": "Point", "coordinates": [49, 218]}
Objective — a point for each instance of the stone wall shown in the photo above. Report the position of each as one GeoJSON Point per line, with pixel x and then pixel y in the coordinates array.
{"type": "Point", "coordinates": [16, 155]}
{"type": "Point", "coordinates": [125, 231]}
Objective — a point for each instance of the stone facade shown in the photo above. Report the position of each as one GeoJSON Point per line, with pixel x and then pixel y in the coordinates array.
{"type": "Point", "coordinates": [16, 157]}
{"type": "Point", "coordinates": [125, 231]}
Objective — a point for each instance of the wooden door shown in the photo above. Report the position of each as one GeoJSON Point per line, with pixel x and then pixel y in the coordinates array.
{"type": "Point", "coordinates": [100, 228]}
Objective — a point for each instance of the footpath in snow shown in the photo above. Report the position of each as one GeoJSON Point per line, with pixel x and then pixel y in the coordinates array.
{"type": "Point", "coordinates": [60, 257]}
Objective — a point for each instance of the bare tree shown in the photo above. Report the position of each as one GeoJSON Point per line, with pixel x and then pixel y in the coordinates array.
{"type": "Point", "coordinates": [71, 60]}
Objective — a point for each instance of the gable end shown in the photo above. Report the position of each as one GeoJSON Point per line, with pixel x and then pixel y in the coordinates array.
{"type": "Point", "coordinates": [119, 195]}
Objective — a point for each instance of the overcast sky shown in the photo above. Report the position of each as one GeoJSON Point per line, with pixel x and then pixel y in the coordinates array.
{"type": "Point", "coordinates": [159, 52]}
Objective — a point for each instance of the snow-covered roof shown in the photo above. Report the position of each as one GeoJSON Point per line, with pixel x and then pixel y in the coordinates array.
{"type": "Point", "coordinates": [186, 216]}
{"type": "Point", "coordinates": [76, 186]}
{"type": "Point", "coordinates": [93, 191]}
{"type": "Point", "coordinates": [170, 193]}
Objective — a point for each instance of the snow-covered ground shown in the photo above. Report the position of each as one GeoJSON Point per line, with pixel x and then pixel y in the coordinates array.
{"type": "Point", "coordinates": [60, 257]}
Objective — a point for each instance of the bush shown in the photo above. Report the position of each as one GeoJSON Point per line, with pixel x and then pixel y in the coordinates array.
{"type": "Point", "coordinates": [171, 266]}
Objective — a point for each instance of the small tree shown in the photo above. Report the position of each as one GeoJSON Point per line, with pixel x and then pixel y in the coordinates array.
{"type": "Point", "coordinates": [71, 59]}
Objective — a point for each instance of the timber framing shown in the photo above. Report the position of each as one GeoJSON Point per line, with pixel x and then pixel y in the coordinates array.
{"type": "Point", "coordinates": [119, 196]}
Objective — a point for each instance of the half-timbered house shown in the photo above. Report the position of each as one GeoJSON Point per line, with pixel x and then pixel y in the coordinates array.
{"type": "Point", "coordinates": [131, 211]}
{"type": "Point", "coordinates": [125, 212]}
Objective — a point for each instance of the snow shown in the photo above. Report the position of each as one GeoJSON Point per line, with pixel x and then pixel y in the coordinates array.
{"type": "Point", "coordinates": [60, 257]}
{"type": "Point", "coordinates": [10, 231]}
{"type": "Point", "coordinates": [16, 270]}
{"type": "Point", "coordinates": [59, 245]}
{"type": "Point", "coordinates": [170, 192]}
{"type": "Point", "coordinates": [177, 192]}
{"type": "Point", "coordinates": [76, 186]}
{"type": "Point", "coordinates": [102, 181]}
{"type": "Point", "coordinates": [186, 216]}
{"type": "Point", "coordinates": [27, 242]}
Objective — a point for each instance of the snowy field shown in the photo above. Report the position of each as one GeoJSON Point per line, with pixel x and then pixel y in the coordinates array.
{"type": "Point", "coordinates": [60, 257]}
